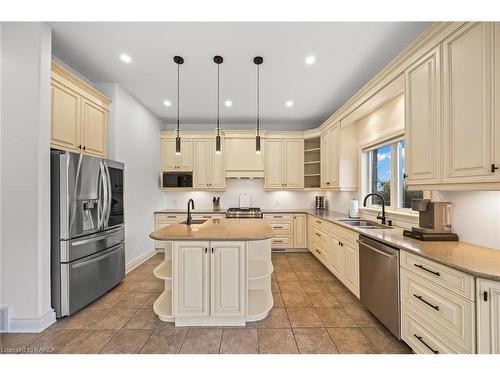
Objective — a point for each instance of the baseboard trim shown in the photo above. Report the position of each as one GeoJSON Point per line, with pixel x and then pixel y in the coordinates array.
{"type": "Point", "coordinates": [139, 260]}
{"type": "Point", "coordinates": [31, 325]}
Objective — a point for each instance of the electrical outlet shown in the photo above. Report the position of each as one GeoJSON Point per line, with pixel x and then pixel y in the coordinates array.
{"type": "Point", "coordinates": [277, 203]}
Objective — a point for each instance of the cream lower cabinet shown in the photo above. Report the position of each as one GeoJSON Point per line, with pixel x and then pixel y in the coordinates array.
{"type": "Point", "coordinates": [488, 316]}
{"type": "Point", "coordinates": [162, 220]}
{"type": "Point", "coordinates": [300, 231]}
{"type": "Point", "coordinates": [208, 171]}
{"type": "Point", "coordinates": [209, 279]}
{"type": "Point", "coordinates": [284, 167]}
{"type": "Point", "coordinates": [337, 249]}
{"type": "Point", "coordinates": [437, 307]}
{"type": "Point", "coordinates": [170, 161]}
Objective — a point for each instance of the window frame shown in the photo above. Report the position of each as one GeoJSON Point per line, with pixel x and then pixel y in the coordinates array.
{"type": "Point", "coordinates": [395, 176]}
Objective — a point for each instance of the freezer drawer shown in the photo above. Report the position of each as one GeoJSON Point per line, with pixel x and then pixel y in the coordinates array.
{"type": "Point", "coordinates": [77, 248]}
{"type": "Point", "coordinates": [86, 279]}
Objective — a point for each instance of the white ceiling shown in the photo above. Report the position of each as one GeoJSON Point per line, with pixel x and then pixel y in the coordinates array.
{"type": "Point", "coordinates": [347, 56]}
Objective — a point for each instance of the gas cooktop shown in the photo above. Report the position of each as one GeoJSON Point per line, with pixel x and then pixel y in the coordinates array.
{"type": "Point", "coordinates": [244, 213]}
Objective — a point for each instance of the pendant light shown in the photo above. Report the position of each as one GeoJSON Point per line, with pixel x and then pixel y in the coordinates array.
{"type": "Point", "coordinates": [179, 61]}
{"type": "Point", "coordinates": [218, 60]}
{"type": "Point", "coordinates": [258, 60]}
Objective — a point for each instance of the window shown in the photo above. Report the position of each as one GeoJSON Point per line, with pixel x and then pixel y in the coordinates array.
{"type": "Point", "coordinates": [386, 176]}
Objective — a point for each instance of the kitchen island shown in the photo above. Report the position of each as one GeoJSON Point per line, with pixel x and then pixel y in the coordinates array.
{"type": "Point", "coordinates": [217, 272]}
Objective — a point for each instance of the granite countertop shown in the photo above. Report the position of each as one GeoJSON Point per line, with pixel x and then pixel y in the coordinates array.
{"type": "Point", "coordinates": [479, 261]}
{"type": "Point", "coordinates": [217, 229]}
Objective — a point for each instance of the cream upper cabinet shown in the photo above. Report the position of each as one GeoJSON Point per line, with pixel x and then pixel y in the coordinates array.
{"type": "Point", "coordinates": [339, 158]}
{"type": "Point", "coordinates": [294, 163]}
{"type": "Point", "coordinates": [274, 169]}
{"type": "Point", "coordinates": [170, 161]}
{"type": "Point", "coordinates": [284, 163]}
{"type": "Point", "coordinates": [79, 115]}
{"type": "Point", "coordinates": [208, 171]}
{"type": "Point", "coordinates": [217, 168]}
{"type": "Point", "coordinates": [191, 271]}
{"type": "Point", "coordinates": [95, 128]}
{"type": "Point", "coordinates": [469, 129]}
{"type": "Point", "coordinates": [300, 231]}
{"type": "Point", "coordinates": [228, 278]}
{"type": "Point", "coordinates": [488, 315]}
{"type": "Point", "coordinates": [65, 117]}
{"type": "Point", "coordinates": [423, 119]}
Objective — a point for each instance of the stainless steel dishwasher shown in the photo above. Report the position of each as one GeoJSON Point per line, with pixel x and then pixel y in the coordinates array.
{"type": "Point", "coordinates": [379, 282]}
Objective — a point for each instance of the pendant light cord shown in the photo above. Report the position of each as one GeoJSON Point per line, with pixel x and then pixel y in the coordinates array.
{"type": "Point", "coordinates": [258, 99]}
{"type": "Point", "coordinates": [218, 100]}
{"type": "Point", "coordinates": [178, 84]}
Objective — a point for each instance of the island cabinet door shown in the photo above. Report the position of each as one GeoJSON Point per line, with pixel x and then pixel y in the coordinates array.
{"type": "Point", "coordinates": [191, 280]}
{"type": "Point", "coordinates": [228, 278]}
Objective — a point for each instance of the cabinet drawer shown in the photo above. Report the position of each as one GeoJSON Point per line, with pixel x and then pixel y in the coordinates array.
{"type": "Point", "coordinates": [452, 315]}
{"type": "Point", "coordinates": [320, 237]}
{"type": "Point", "coordinates": [282, 228]}
{"type": "Point", "coordinates": [346, 235]}
{"type": "Point", "coordinates": [446, 277]}
{"type": "Point", "coordinates": [208, 216]}
{"type": "Point", "coordinates": [280, 217]}
{"type": "Point", "coordinates": [320, 252]}
{"type": "Point", "coordinates": [420, 336]}
{"type": "Point", "coordinates": [282, 242]}
{"type": "Point", "coordinates": [169, 217]}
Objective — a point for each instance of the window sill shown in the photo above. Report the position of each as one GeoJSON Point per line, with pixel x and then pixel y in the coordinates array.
{"type": "Point", "coordinates": [404, 219]}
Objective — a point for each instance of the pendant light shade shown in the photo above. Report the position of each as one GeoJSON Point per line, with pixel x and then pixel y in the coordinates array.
{"type": "Point", "coordinates": [179, 61]}
{"type": "Point", "coordinates": [258, 60]}
{"type": "Point", "coordinates": [218, 60]}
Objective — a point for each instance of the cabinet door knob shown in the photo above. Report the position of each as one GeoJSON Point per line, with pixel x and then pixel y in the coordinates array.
{"type": "Point", "coordinates": [212, 250]}
{"type": "Point", "coordinates": [84, 147]}
{"type": "Point", "coordinates": [493, 168]}
{"type": "Point", "coordinates": [80, 147]}
{"type": "Point", "coordinates": [206, 249]}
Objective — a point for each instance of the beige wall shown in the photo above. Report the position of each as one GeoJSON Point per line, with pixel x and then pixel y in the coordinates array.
{"type": "Point", "coordinates": [385, 122]}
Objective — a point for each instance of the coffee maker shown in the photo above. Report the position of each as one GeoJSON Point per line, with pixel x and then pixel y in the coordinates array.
{"type": "Point", "coordinates": [434, 221]}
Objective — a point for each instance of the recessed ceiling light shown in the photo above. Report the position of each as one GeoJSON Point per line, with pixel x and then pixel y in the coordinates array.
{"type": "Point", "coordinates": [167, 103]}
{"type": "Point", "coordinates": [289, 103]}
{"type": "Point", "coordinates": [310, 60]}
{"type": "Point", "coordinates": [125, 58]}
{"type": "Point", "coordinates": [228, 103]}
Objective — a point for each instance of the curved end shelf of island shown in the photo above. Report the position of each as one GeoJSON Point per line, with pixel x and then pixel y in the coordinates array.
{"type": "Point", "coordinates": [259, 269]}
{"type": "Point", "coordinates": [260, 302]}
{"type": "Point", "coordinates": [163, 270]}
{"type": "Point", "coordinates": [163, 306]}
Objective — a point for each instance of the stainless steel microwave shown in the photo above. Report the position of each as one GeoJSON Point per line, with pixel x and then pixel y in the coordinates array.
{"type": "Point", "coordinates": [176, 180]}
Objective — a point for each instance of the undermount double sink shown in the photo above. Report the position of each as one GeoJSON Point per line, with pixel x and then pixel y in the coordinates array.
{"type": "Point", "coordinates": [364, 224]}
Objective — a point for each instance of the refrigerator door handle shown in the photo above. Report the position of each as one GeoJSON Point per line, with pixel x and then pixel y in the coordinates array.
{"type": "Point", "coordinates": [102, 222]}
{"type": "Point", "coordinates": [108, 205]}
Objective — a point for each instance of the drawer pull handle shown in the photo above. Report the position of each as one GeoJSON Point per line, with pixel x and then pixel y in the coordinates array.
{"type": "Point", "coordinates": [276, 227]}
{"type": "Point", "coordinates": [319, 252]}
{"type": "Point", "coordinates": [317, 234]}
{"type": "Point", "coordinates": [419, 338]}
{"type": "Point", "coordinates": [277, 217]}
{"type": "Point", "coordinates": [424, 301]}
{"type": "Point", "coordinates": [426, 269]}
{"type": "Point", "coordinates": [319, 222]}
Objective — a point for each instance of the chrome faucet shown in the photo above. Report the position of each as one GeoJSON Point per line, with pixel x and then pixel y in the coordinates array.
{"type": "Point", "coordinates": [190, 205]}
{"type": "Point", "coordinates": [389, 222]}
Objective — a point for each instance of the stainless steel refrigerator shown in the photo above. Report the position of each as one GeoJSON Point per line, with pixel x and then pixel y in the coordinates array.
{"type": "Point", "coordinates": [87, 229]}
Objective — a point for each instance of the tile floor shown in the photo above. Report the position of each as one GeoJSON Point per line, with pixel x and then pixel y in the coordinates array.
{"type": "Point", "coordinates": [313, 313]}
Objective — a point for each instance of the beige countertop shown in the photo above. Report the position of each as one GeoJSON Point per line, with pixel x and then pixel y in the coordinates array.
{"type": "Point", "coordinates": [479, 261]}
{"type": "Point", "coordinates": [217, 229]}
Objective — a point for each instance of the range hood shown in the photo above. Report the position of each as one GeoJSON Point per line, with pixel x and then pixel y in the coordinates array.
{"type": "Point", "coordinates": [241, 159]}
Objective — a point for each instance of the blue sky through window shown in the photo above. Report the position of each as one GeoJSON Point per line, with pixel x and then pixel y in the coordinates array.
{"type": "Point", "coordinates": [384, 163]}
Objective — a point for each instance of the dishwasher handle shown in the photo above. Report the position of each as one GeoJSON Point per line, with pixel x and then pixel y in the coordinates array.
{"type": "Point", "coordinates": [379, 251]}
